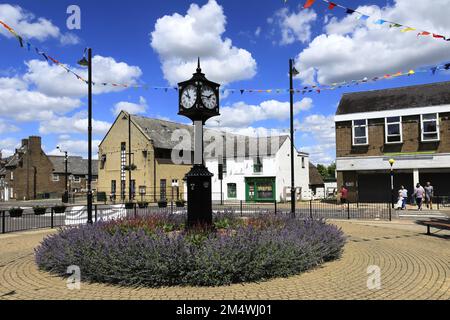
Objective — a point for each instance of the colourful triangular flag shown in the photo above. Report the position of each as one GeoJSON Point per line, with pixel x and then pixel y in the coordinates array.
{"type": "Point", "coordinates": [408, 29]}
{"type": "Point", "coordinates": [332, 5]}
{"type": "Point", "coordinates": [309, 3]}
{"type": "Point", "coordinates": [423, 33]}
{"type": "Point", "coordinates": [379, 21]}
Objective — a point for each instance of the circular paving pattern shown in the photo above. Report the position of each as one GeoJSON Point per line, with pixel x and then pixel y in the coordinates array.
{"type": "Point", "coordinates": [412, 266]}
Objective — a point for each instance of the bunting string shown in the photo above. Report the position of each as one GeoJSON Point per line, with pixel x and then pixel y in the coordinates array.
{"type": "Point", "coordinates": [363, 17]}
{"type": "Point", "coordinates": [302, 90]}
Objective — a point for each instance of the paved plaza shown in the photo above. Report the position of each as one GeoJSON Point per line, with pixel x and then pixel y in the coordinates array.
{"type": "Point", "coordinates": [412, 265]}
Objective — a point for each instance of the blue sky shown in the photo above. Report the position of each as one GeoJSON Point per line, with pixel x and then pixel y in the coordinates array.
{"type": "Point", "coordinates": [243, 44]}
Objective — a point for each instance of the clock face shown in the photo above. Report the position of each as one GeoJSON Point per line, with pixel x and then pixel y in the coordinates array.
{"type": "Point", "coordinates": [209, 98]}
{"type": "Point", "coordinates": [189, 97]}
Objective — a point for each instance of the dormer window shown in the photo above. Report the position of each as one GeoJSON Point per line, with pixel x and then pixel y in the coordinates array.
{"type": "Point", "coordinates": [429, 127]}
{"type": "Point", "coordinates": [393, 130]}
{"type": "Point", "coordinates": [360, 132]}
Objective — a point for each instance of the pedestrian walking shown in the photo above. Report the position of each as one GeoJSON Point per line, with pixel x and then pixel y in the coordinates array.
{"type": "Point", "coordinates": [344, 194]}
{"type": "Point", "coordinates": [404, 193]}
{"type": "Point", "coordinates": [429, 194]}
{"type": "Point", "coordinates": [419, 193]}
{"type": "Point", "coordinates": [399, 204]}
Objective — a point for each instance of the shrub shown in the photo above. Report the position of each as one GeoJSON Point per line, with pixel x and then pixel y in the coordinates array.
{"type": "Point", "coordinates": [39, 211]}
{"type": "Point", "coordinates": [130, 252]}
{"type": "Point", "coordinates": [180, 203]}
{"type": "Point", "coordinates": [162, 204]}
{"type": "Point", "coordinates": [15, 212]}
{"type": "Point", "coordinates": [59, 209]}
{"type": "Point", "coordinates": [129, 205]}
{"type": "Point", "coordinates": [143, 204]}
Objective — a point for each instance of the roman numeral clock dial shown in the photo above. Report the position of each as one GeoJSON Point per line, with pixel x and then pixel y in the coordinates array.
{"type": "Point", "coordinates": [189, 97]}
{"type": "Point", "coordinates": [209, 98]}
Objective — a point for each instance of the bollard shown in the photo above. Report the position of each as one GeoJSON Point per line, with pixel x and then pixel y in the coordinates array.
{"type": "Point", "coordinates": [51, 219]}
{"type": "Point", "coordinates": [135, 210]}
{"type": "Point", "coordinates": [275, 205]}
{"type": "Point", "coordinates": [95, 212]}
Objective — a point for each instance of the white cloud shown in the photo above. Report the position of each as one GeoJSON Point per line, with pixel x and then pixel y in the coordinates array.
{"type": "Point", "coordinates": [319, 129]}
{"type": "Point", "coordinates": [133, 108]}
{"type": "Point", "coordinates": [353, 49]}
{"type": "Point", "coordinates": [30, 27]}
{"type": "Point", "coordinates": [6, 127]}
{"type": "Point", "coordinates": [179, 40]}
{"type": "Point", "coordinates": [294, 26]}
{"type": "Point", "coordinates": [76, 148]}
{"type": "Point", "coordinates": [7, 146]}
{"type": "Point", "coordinates": [75, 124]}
{"type": "Point", "coordinates": [21, 104]}
{"type": "Point", "coordinates": [241, 114]}
{"type": "Point", "coordinates": [258, 31]}
{"type": "Point", "coordinates": [52, 80]}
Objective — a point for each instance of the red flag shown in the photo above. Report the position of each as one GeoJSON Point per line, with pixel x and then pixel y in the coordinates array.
{"type": "Point", "coordinates": [438, 36]}
{"type": "Point", "coordinates": [309, 3]}
{"type": "Point", "coordinates": [423, 33]}
{"type": "Point", "coordinates": [332, 5]}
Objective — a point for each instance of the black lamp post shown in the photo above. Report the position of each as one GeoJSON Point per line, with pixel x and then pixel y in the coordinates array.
{"type": "Point", "coordinates": [292, 72]}
{"type": "Point", "coordinates": [65, 198]}
{"type": "Point", "coordinates": [391, 162]}
{"type": "Point", "coordinates": [88, 63]}
{"type": "Point", "coordinates": [199, 101]}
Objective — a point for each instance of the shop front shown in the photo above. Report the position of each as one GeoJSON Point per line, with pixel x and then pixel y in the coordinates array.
{"type": "Point", "coordinates": [260, 189]}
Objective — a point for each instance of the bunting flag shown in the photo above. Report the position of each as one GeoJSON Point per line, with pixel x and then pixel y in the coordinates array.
{"type": "Point", "coordinates": [306, 89]}
{"type": "Point", "coordinates": [309, 3]}
{"type": "Point", "coordinates": [361, 16]}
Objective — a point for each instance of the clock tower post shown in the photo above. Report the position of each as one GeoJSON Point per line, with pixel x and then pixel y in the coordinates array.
{"type": "Point", "coordinates": [199, 101]}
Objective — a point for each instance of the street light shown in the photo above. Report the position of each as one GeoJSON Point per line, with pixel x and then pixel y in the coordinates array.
{"type": "Point", "coordinates": [65, 198]}
{"type": "Point", "coordinates": [292, 72]}
{"type": "Point", "coordinates": [88, 63]}
{"type": "Point", "coordinates": [391, 162]}
{"type": "Point", "coordinates": [130, 166]}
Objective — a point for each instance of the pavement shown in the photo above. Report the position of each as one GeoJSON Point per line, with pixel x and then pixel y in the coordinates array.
{"type": "Point", "coordinates": [381, 260]}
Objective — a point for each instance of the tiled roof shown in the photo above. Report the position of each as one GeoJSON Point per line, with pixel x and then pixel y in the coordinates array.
{"type": "Point", "coordinates": [75, 165]}
{"type": "Point", "coordinates": [433, 94]}
{"type": "Point", "coordinates": [160, 132]}
{"type": "Point", "coordinates": [315, 179]}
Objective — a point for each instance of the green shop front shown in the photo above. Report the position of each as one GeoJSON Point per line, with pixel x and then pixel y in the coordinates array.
{"type": "Point", "coordinates": [260, 189]}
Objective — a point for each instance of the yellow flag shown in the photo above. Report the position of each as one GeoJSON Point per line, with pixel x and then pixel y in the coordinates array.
{"type": "Point", "coordinates": [411, 72]}
{"type": "Point", "coordinates": [408, 29]}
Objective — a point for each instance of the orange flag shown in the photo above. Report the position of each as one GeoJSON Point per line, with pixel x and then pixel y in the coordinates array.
{"type": "Point", "coordinates": [309, 3]}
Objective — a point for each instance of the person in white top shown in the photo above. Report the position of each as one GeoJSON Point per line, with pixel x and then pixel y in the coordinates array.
{"type": "Point", "coordinates": [404, 193]}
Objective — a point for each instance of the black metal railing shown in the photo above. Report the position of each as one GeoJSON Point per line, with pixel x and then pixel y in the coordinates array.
{"type": "Point", "coordinates": [28, 219]}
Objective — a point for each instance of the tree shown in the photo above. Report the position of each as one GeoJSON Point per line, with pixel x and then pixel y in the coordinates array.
{"type": "Point", "coordinates": [332, 170]}
{"type": "Point", "coordinates": [323, 170]}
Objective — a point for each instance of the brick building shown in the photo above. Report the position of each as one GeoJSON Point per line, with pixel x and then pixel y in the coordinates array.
{"type": "Point", "coordinates": [77, 169]}
{"type": "Point", "coordinates": [409, 124]}
{"type": "Point", "coordinates": [31, 174]}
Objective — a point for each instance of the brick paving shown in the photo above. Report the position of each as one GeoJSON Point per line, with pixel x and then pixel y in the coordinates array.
{"type": "Point", "coordinates": [413, 266]}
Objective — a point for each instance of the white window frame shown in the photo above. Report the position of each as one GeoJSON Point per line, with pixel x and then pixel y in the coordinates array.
{"type": "Point", "coordinates": [55, 177]}
{"type": "Point", "coordinates": [422, 128]}
{"type": "Point", "coordinates": [366, 126]}
{"type": "Point", "coordinates": [11, 177]}
{"type": "Point", "coordinates": [386, 131]}
{"type": "Point", "coordinates": [76, 179]}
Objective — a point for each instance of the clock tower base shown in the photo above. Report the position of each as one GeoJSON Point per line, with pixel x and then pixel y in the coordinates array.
{"type": "Point", "coordinates": [199, 197]}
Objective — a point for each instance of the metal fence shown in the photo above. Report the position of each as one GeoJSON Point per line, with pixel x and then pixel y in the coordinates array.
{"type": "Point", "coordinates": [75, 215]}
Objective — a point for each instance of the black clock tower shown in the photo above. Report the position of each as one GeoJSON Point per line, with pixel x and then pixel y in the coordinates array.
{"type": "Point", "coordinates": [199, 101]}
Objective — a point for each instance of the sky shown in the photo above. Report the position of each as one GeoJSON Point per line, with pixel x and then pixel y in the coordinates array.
{"type": "Point", "coordinates": [242, 44]}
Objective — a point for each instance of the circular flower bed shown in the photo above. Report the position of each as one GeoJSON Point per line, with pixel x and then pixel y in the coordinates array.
{"type": "Point", "coordinates": [156, 251]}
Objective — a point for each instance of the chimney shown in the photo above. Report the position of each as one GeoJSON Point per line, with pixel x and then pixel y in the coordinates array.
{"type": "Point", "coordinates": [24, 142]}
{"type": "Point", "coordinates": [34, 143]}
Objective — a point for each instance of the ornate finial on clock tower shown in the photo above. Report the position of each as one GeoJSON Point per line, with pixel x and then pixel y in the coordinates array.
{"type": "Point", "coordinates": [199, 70]}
